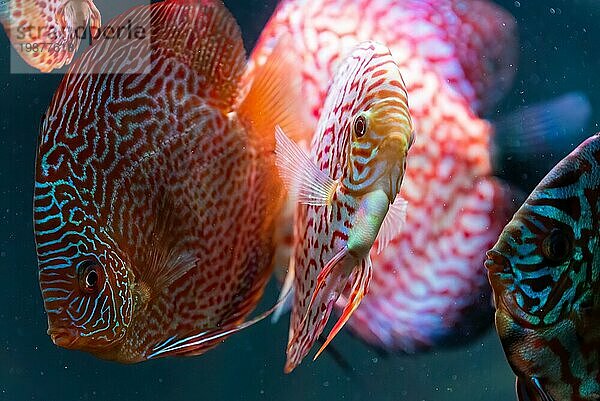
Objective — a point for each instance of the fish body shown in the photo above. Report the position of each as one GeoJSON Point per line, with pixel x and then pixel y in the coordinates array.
{"type": "Point", "coordinates": [154, 194]}
{"type": "Point", "coordinates": [47, 34]}
{"type": "Point", "coordinates": [545, 274]}
{"type": "Point", "coordinates": [345, 190]}
{"type": "Point", "coordinates": [457, 58]}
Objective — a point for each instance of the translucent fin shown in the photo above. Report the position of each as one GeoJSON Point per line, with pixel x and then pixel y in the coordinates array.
{"type": "Point", "coordinates": [392, 223]}
{"type": "Point", "coordinates": [552, 127]}
{"type": "Point", "coordinates": [288, 291]}
{"type": "Point", "coordinates": [198, 343]}
{"type": "Point", "coordinates": [166, 260]}
{"type": "Point", "coordinates": [331, 282]}
{"type": "Point", "coordinates": [335, 262]}
{"type": "Point", "coordinates": [360, 286]}
{"type": "Point", "coordinates": [273, 97]}
{"type": "Point", "coordinates": [302, 177]}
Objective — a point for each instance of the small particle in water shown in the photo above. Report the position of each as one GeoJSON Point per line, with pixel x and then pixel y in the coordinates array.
{"type": "Point", "coordinates": [517, 4]}
{"type": "Point", "coordinates": [552, 11]}
{"type": "Point", "coordinates": [375, 360]}
{"type": "Point", "coordinates": [326, 384]}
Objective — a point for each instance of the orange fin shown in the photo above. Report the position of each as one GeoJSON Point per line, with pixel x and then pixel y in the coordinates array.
{"type": "Point", "coordinates": [272, 97]}
{"type": "Point", "coordinates": [197, 343]}
{"type": "Point", "coordinates": [362, 277]}
{"type": "Point", "coordinates": [330, 284]}
{"type": "Point", "coordinates": [335, 262]}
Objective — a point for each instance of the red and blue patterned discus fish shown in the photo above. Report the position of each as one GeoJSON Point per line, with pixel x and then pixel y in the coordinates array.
{"type": "Point", "coordinates": [47, 33]}
{"type": "Point", "coordinates": [545, 273]}
{"type": "Point", "coordinates": [456, 58]}
{"type": "Point", "coordinates": [347, 191]}
{"type": "Point", "coordinates": [155, 188]}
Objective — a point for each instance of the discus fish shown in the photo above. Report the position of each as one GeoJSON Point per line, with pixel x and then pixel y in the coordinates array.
{"type": "Point", "coordinates": [457, 58]}
{"type": "Point", "coordinates": [46, 34]}
{"type": "Point", "coordinates": [545, 275]}
{"type": "Point", "coordinates": [347, 191]}
{"type": "Point", "coordinates": [155, 192]}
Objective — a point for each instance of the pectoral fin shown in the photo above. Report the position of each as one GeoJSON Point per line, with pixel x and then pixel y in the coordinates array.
{"type": "Point", "coordinates": [392, 223]}
{"type": "Point", "coordinates": [303, 179]}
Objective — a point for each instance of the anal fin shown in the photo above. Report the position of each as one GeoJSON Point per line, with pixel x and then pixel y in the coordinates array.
{"type": "Point", "coordinates": [360, 286]}
{"type": "Point", "coordinates": [533, 392]}
{"type": "Point", "coordinates": [197, 343]}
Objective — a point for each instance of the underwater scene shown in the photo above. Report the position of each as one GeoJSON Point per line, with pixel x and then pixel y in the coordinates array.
{"type": "Point", "coordinates": [300, 200]}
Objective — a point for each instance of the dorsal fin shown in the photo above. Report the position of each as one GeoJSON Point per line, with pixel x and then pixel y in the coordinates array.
{"type": "Point", "coordinates": [272, 97]}
{"type": "Point", "coordinates": [205, 36]}
{"type": "Point", "coordinates": [200, 34]}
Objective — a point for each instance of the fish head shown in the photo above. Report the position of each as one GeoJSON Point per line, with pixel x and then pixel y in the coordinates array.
{"type": "Point", "coordinates": [544, 271]}
{"type": "Point", "coordinates": [380, 126]}
{"type": "Point", "coordinates": [88, 308]}
{"type": "Point", "coordinates": [83, 276]}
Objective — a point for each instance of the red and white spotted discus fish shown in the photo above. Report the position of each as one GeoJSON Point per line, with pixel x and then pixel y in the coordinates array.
{"type": "Point", "coordinates": [457, 58]}
{"type": "Point", "coordinates": [156, 188]}
{"type": "Point", "coordinates": [47, 33]}
{"type": "Point", "coordinates": [347, 191]}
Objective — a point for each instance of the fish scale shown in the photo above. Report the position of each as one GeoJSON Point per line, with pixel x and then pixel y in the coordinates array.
{"type": "Point", "coordinates": [427, 286]}
{"type": "Point", "coordinates": [157, 182]}
{"type": "Point", "coordinates": [545, 273]}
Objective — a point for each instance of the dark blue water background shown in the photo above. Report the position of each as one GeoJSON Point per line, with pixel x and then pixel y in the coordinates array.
{"type": "Point", "coordinates": [559, 53]}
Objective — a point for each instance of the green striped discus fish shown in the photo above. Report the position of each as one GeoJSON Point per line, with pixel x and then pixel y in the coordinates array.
{"type": "Point", "coordinates": [545, 273]}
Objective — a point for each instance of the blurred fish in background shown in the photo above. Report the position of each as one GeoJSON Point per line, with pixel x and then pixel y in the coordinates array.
{"type": "Point", "coordinates": [156, 187]}
{"type": "Point", "coordinates": [47, 33]}
{"type": "Point", "coordinates": [458, 58]}
{"type": "Point", "coordinates": [545, 274]}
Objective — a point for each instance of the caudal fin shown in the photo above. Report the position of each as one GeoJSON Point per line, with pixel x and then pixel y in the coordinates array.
{"type": "Point", "coordinates": [549, 130]}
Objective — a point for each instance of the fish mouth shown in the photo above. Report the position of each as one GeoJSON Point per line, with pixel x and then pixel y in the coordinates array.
{"type": "Point", "coordinates": [496, 262]}
{"type": "Point", "coordinates": [62, 337]}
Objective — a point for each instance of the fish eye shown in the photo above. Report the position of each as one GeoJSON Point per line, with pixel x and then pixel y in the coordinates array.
{"type": "Point", "coordinates": [557, 246]}
{"type": "Point", "coordinates": [89, 276]}
{"type": "Point", "coordinates": [360, 126]}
